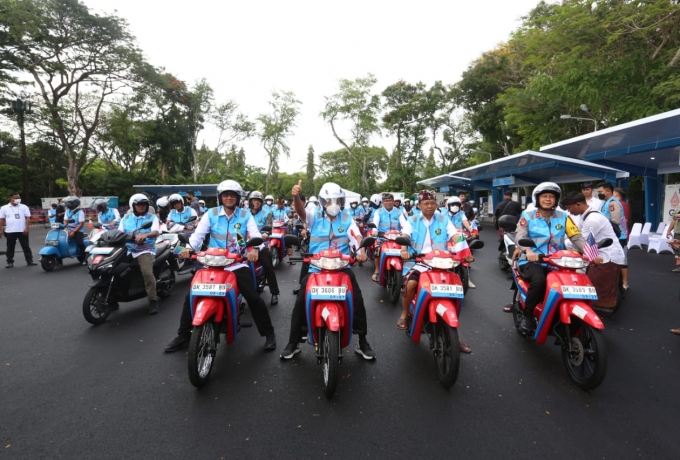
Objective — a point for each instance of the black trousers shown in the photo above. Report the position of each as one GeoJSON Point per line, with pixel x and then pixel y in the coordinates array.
{"type": "Point", "coordinates": [12, 242]}
{"type": "Point", "coordinates": [81, 244]}
{"type": "Point", "coordinates": [535, 274]}
{"type": "Point", "coordinates": [298, 320]}
{"type": "Point", "coordinates": [304, 269]}
{"type": "Point", "coordinates": [265, 259]}
{"type": "Point", "coordinates": [244, 281]}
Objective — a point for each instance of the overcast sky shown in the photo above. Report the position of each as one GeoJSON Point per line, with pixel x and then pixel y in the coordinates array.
{"type": "Point", "coordinates": [246, 49]}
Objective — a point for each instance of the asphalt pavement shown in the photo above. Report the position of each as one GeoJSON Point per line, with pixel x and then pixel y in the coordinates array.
{"type": "Point", "coordinates": [72, 390]}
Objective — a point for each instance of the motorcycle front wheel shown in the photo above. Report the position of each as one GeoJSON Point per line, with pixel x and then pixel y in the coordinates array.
{"type": "Point", "coordinates": [585, 355]}
{"type": "Point", "coordinates": [48, 263]}
{"type": "Point", "coordinates": [394, 278]}
{"type": "Point", "coordinates": [201, 355]}
{"type": "Point", "coordinates": [95, 309]}
{"type": "Point", "coordinates": [446, 353]}
{"type": "Point", "coordinates": [516, 311]}
{"type": "Point", "coordinates": [330, 350]}
{"type": "Point", "coordinates": [275, 257]}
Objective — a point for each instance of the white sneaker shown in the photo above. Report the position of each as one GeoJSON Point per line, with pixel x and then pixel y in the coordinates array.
{"type": "Point", "coordinates": [471, 285]}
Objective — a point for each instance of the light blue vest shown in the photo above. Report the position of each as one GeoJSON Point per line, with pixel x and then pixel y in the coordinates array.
{"type": "Point", "coordinates": [438, 236]}
{"type": "Point", "coordinates": [260, 218]}
{"type": "Point", "coordinates": [279, 214]}
{"type": "Point", "coordinates": [388, 220]}
{"type": "Point", "coordinates": [623, 225]}
{"type": "Point", "coordinates": [133, 223]}
{"type": "Point", "coordinates": [108, 219]}
{"type": "Point", "coordinates": [224, 229]}
{"type": "Point", "coordinates": [456, 219]}
{"type": "Point", "coordinates": [548, 239]}
{"type": "Point", "coordinates": [182, 218]}
{"type": "Point", "coordinates": [358, 213]}
{"type": "Point", "coordinates": [75, 215]}
{"type": "Point", "coordinates": [416, 212]}
{"type": "Point", "coordinates": [52, 213]}
{"type": "Point", "coordinates": [329, 235]}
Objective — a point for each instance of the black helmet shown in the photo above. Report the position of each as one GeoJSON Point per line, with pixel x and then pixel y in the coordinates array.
{"type": "Point", "coordinates": [100, 205]}
{"type": "Point", "coordinates": [72, 202]}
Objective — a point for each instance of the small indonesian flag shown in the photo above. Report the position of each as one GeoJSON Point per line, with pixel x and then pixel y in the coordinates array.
{"type": "Point", "coordinates": [459, 246]}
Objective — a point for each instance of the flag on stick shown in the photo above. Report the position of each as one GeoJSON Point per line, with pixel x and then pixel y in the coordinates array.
{"type": "Point", "coordinates": [590, 249]}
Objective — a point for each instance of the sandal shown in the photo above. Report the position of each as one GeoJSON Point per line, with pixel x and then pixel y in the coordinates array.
{"type": "Point", "coordinates": [675, 331]}
{"type": "Point", "coordinates": [401, 324]}
{"type": "Point", "coordinates": [507, 309]}
{"type": "Point", "coordinates": [375, 277]}
{"type": "Point", "coordinates": [463, 347]}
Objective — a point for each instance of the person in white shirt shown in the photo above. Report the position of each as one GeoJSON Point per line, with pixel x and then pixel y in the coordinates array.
{"type": "Point", "coordinates": [17, 218]}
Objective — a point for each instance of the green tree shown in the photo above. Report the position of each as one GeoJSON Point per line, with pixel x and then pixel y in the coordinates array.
{"type": "Point", "coordinates": [275, 127]}
{"type": "Point", "coordinates": [308, 182]}
{"type": "Point", "coordinates": [357, 106]}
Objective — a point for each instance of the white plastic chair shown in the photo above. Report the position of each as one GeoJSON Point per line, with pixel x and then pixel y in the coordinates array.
{"type": "Point", "coordinates": [635, 237]}
{"type": "Point", "coordinates": [644, 235]}
{"type": "Point", "coordinates": [660, 228]}
{"type": "Point", "coordinates": [659, 243]}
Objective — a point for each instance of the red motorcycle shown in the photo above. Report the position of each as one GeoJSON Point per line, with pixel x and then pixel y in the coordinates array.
{"type": "Point", "coordinates": [390, 271]}
{"type": "Point", "coordinates": [329, 309]}
{"type": "Point", "coordinates": [566, 313]}
{"type": "Point", "coordinates": [436, 307]}
{"type": "Point", "coordinates": [216, 308]}
{"type": "Point", "coordinates": [276, 241]}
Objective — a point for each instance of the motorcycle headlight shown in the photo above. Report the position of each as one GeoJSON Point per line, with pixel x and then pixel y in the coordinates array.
{"type": "Point", "coordinates": [52, 243]}
{"type": "Point", "coordinates": [391, 237]}
{"type": "Point", "coordinates": [105, 267]}
{"type": "Point", "coordinates": [215, 261]}
{"type": "Point", "coordinates": [329, 263]}
{"type": "Point", "coordinates": [571, 262]}
{"type": "Point", "coordinates": [441, 262]}
{"type": "Point", "coordinates": [55, 226]}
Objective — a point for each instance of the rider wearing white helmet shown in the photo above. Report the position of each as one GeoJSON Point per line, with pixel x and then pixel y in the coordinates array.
{"type": "Point", "coordinates": [180, 214]}
{"type": "Point", "coordinates": [457, 216]}
{"type": "Point", "coordinates": [385, 218]}
{"type": "Point", "coordinates": [202, 208]}
{"type": "Point", "coordinates": [143, 249]}
{"type": "Point", "coordinates": [268, 203]}
{"type": "Point", "coordinates": [263, 218]}
{"type": "Point", "coordinates": [227, 225]}
{"type": "Point", "coordinates": [163, 206]}
{"type": "Point", "coordinates": [548, 227]}
{"type": "Point", "coordinates": [329, 227]}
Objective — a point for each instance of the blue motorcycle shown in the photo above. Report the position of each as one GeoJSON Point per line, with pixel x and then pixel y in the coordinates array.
{"type": "Point", "coordinates": [59, 246]}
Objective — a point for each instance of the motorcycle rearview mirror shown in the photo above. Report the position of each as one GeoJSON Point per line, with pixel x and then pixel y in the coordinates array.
{"type": "Point", "coordinates": [192, 218]}
{"type": "Point", "coordinates": [299, 226]}
{"type": "Point", "coordinates": [366, 242]}
{"type": "Point", "coordinates": [291, 240]}
{"type": "Point", "coordinates": [266, 229]}
{"type": "Point", "coordinates": [96, 225]}
{"type": "Point", "coordinates": [605, 243]}
{"type": "Point", "coordinates": [477, 244]}
{"type": "Point", "coordinates": [146, 225]}
{"type": "Point", "coordinates": [254, 242]}
{"type": "Point", "coordinates": [527, 243]}
{"type": "Point", "coordinates": [403, 240]}
{"type": "Point", "coordinates": [371, 225]}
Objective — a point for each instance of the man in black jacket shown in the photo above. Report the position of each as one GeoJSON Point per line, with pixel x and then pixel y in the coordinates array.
{"type": "Point", "coordinates": [507, 207]}
{"type": "Point", "coordinates": [467, 207]}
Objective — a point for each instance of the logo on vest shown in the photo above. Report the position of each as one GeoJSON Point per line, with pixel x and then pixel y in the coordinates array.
{"type": "Point", "coordinates": [341, 229]}
{"type": "Point", "coordinates": [438, 231]}
{"type": "Point", "coordinates": [559, 227]}
{"type": "Point", "coordinates": [237, 225]}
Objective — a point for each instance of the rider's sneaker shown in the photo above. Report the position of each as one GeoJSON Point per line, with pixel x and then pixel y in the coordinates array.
{"type": "Point", "coordinates": [275, 299]}
{"type": "Point", "coordinates": [470, 284]}
{"type": "Point", "coordinates": [270, 342]}
{"type": "Point", "coordinates": [364, 349]}
{"type": "Point", "coordinates": [296, 290]}
{"type": "Point", "coordinates": [291, 350]}
{"type": "Point", "coordinates": [527, 325]}
{"type": "Point", "coordinates": [153, 307]}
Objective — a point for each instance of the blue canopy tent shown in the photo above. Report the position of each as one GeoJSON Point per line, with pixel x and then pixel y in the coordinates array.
{"type": "Point", "coordinates": [649, 147]}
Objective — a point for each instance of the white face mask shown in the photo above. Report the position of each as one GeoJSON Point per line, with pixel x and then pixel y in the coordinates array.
{"type": "Point", "coordinates": [333, 210]}
{"type": "Point", "coordinates": [17, 200]}
{"type": "Point", "coordinates": [353, 205]}
{"type": "Point", "coordinates": [454, 209]}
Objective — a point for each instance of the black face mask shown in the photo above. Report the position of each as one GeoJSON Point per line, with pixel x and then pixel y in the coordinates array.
{"type": "Point", "coordinates": [601, 196]}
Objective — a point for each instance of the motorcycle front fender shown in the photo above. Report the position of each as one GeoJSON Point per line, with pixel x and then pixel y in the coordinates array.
{"type": "Point", "coordinates": [396, 264]}
{"type": "Point", "coordinates": [444, 308]}
{"type": "Point", "coordinates": [100, 283]}
{"type": "Point", "coordinates": [49, 251]}
{"type": "Point", "coordinates": [206, 308]}
{"type": "Point", "coordinates": [581, 310]}
{"type": "Point", "coordinates": [330, 315]}
{"type": "Point", "coordinates": [274, 243]}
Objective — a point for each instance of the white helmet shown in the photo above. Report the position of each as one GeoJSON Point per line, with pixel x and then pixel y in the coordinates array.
{"type": "Point", "coordinates": [229, 186]}
{"type": "Point", "coordinates": [407, 200]}
{"type": "Point", "coordinates": [332, 198]}
{"type": "Point", "coordinates": [285, 202]}
{"type": "Point", "coordinates": [549, 187]}
{"type": "Point", "coordinates": [162, 202]}
{"type": "Point", "coordinates": [364, 200]}
{"type": "Point", "coordinates": [354, 200]}
{"type": "Point", "coordinates": [175, 198]}
{"type": "Point", "coordinates": [376, 199]}
{"type": "Point", "coordinates": [201, 202]}
{"type": "Point", "coordinates": [312, 199]}
{"type": "Point", "coordinates": [269, 198]}
{"type": "Point", "coordinates": [453, 201]}
{"type": "Point", "coordinates": [139, 198]}
{"type": "Point", "coordinates": [255, 195]}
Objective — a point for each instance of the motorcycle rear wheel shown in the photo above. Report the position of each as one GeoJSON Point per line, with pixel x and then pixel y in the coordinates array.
{"type": "Point", "coordinates": [503, 262]}
{"type": "Point", "coordinates": [394, 278]}
{"type": "Point", "coordinates": [167, 290]}
{"type": "Point", "coordinates": [48, 263]}
{"type": "Point", "coordinates": [446, 353]}
{"type": "Point", "coordinates": [201, 355]}
{"type": "Point", "coordinates": [516, 311]}
{"type": "Point", "coordinates": [330, 350]}
{"type": "Point", "coordinates": [95, 310]}
{"type": "Point", "coordinates": [586, 362]}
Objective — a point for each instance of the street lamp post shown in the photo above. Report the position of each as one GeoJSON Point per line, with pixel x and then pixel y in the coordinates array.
{"type": "Point", "coordinates": [483, 151]}
{"type": "Point", "coordinates": [21, 108]}
{"type": "Point", "coordinates": [585, 109]}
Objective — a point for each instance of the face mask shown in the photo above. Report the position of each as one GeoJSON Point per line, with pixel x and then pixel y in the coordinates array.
{"type": "Point", "coordinates": [601, 196]}
{"type": "Point", "coordinates": [333, 210]}
{"type": "Point", "coordinates": [17, 201]}
{"type": "Point", "coordinates": [269, 202]}
{"type": "Point", "coordinates": [353, 205]}
{"type": "Point", "coordinates": [454, 209]}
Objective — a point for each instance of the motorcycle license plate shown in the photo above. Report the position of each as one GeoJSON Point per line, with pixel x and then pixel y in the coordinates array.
{"type": "Point", "coordinates": [579, 292]}
{"type": "Point", "coordinates": [210, 290]}
{"type": "Point", "coordinates": [328, 292]}
{"type": "Point", "coordinates": [276, 235]}
{"type": "Point", "coordinates": [446, 290]}
{"type": "Point", "coordinates": [391, 252]}
{"type": "Point", "coordinates": [101, 250]}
